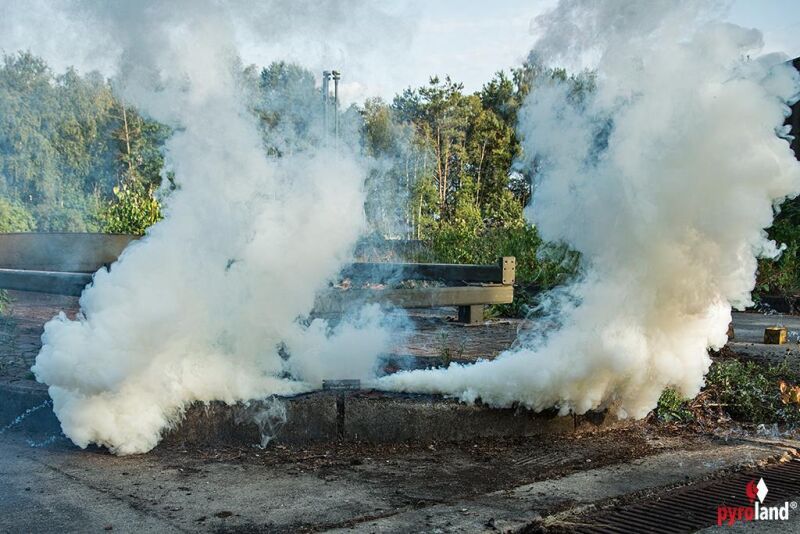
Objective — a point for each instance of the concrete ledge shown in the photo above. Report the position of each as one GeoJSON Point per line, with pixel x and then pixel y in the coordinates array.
{"type": "Point", "coordinates": [323, 416]}
{"type": "Point", "coordinates": [366, 416]}
{"type": "Point", "coordinates": [381, 417]}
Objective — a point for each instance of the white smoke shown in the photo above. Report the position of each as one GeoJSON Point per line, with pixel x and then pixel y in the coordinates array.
{"type": "Point", "coordinates": [663, 179]}
{"type": "Point", "coordinates": [204, 307]}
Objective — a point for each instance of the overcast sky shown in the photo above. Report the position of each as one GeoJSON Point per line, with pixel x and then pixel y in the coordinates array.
{"type": "Point", "coordinates": [456, 37]}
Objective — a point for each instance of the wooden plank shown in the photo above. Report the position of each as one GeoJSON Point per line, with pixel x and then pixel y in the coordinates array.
{"type": "Point", "coordinates": [67, 252]}
{"type": "Point", "coordinates": [44, 281]}
{"type": "Point", "coordinates": [338, 301]}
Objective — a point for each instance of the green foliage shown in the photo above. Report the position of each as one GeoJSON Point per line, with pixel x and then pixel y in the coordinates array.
{"type": "Point", "coordinates": [14, 217]}
{"type": "Point", "coordinates": [750, 392]}
{"type": "Point", "coordinates": [470, 148]}
{"type": "Point", "coordinates": [672, 407]}
{"type": "Point", "coordinates": [747, 392]}
{"type": "Point", "coordinates": [540, 265]}
{"type": "Point", "coordinates": [5, 300]}
{"type": "Point", "coordinates": [401, 198]}
{"type": "Point", "coordinates": [65, 141]}
{"type": "Point", "coordinates": [134, 209]}
{"type": "Point", "coordinates": [73, 157]}
{"type": "Point", "coordinates": [782, 276]}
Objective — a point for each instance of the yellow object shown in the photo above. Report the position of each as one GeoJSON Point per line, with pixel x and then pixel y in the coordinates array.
{"type": "Point", "coordinates": [775, 335]}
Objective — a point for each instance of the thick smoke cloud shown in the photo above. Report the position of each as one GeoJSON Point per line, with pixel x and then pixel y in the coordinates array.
{"type": "Point", "coordinates": [664, 179]}
{"type": "Point", "coordinates": [206, 306]}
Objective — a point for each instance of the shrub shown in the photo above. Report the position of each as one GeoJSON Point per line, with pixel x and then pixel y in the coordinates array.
{"type": "Point", "coordinates": [14, 217]}
{"type": "Point", "coordinates": [540, 265]}
{"type": "Point", "coordinates": [133, 210]}
{"type": "Point", "coordinates": [751, 393]}
{"type": "Point", "coordinates": [672, 407]}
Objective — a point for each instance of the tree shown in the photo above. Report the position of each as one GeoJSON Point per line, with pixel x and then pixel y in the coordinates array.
{"type": "Point", "coordinates": [400, 197]}
{"type": "Point", "coordinates": [66, 142]}
{"type": "Point", "coordinates": [15, 218]}
{"type": "Point", "coordinates": [440, 114]}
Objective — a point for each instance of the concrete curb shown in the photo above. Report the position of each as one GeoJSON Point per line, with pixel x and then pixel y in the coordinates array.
{"type": "Point", "coordinates": [325, 416]}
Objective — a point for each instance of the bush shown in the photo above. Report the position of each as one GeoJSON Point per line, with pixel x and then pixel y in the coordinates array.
{"type": "Point", "coordinates": [782, 276]}
{"type": "Point", "coordinates": [540, 265]}
{"type": "Point", "coordinates": [14, 217]}
{"type": "Point", "coordinates": [742, 391]}
{"type": "Point", "coordinates": [751, 393]}
{"type": "Point", "coordinates": [133, 210]}
{"type": "Point", "coordinates": [65, 219]}
{"type": "Point", "coordinates": [673, 408]}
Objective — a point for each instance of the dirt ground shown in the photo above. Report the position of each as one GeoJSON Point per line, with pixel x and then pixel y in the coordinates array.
{"type": "Point", "coordinates": [435, 333]}
{"type": "Point", "coordinates": [498, 484]}
{"type": "Point", "coordinates": [21, 327]}
{"type": "Point", "coordinates": [311, 489]}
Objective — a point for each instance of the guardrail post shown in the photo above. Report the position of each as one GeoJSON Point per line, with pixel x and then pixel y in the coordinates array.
{"type": "Point", "coordinates": [509, 266]}
{"type": "Point", "coordinates": [470, 314]}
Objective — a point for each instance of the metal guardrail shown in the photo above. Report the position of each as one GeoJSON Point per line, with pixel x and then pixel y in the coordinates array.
{"type": "Point", "coordinates": [64, 264]}
{"type": "Point", "coordinates": [501, 273]}
{"type": "Point", "coordinates": [490, 284]}
{"type": "Point", "coordinates": [58, 283]}
{"type": "Point", "coordinates": [61, 252]}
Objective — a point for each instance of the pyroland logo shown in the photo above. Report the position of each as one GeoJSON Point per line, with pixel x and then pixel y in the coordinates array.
{"type": "Point", "coordinates": [756, 493]}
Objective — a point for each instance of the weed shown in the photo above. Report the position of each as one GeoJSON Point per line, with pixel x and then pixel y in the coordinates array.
{"type": "Point", "coordinates": [5, 300]}
{"type": "Point", "coordinates": [447, 354]}
{"type": "Point", "coordinates": [672, 407]}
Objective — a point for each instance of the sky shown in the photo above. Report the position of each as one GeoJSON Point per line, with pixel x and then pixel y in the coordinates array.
{"type": "Point", "coordinates": [381, 47]}
{"type": "Point", "coordinates": [470, 40]}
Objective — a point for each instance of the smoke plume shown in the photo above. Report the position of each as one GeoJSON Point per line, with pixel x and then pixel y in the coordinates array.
{"type": "Point", "coordinates": [212, 303]}
{"type": "Point", "coordinates": [664, 179]}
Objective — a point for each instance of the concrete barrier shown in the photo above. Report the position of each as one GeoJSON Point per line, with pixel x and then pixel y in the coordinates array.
{"type": "Point", "coordinates": [69, 252]}
{"type": "Point", "coordinates": [325, 416]}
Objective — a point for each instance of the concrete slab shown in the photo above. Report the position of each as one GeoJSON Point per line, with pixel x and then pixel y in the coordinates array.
{"type": "Point", "coordinates": [514, 509]}
{"type": "Point", "coordinates": [369, 489]}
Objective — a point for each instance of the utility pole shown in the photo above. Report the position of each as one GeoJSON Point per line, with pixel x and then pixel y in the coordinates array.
{"type": "Point", "coordinates": [326, 76]}
{"type": "Point", "coordinates": [336, 76]}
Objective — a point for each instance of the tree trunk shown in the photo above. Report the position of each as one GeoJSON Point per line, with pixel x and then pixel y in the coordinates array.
{"type": "Point", "coordinates": [127, 142]}
{"type": "Point", "coordinates": [480, 171]}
